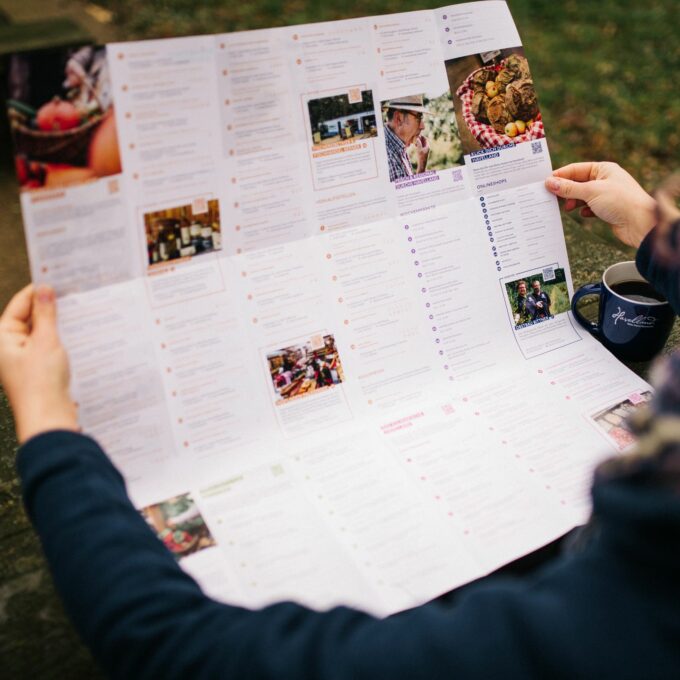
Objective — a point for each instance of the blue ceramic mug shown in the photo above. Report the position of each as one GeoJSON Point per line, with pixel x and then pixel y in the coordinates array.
{"type": "Point", "coordinates": [634, 321]}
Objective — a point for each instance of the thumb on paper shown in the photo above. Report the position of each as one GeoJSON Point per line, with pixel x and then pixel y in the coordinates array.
{"type": "Point", "coordinates": [566, 188]}
{"type": "Point", "coordinates": [44, 314]}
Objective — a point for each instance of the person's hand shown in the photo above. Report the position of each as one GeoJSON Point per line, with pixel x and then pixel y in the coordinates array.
{"type": "Point", "coordinates": [666, 196]}
{"type": "Point", "coordinates": [607, 191]}
{"type": "Point", "coordinates": [422, 152]}
{"type": "Point", "coordinates": [34, 367]}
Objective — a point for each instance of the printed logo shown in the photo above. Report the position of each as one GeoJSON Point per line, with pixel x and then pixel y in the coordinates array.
{"type": "Point", "coordinates": [639, 321]}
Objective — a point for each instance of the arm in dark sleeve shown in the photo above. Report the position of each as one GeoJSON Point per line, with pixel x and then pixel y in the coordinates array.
{"type": "Point", "coordinates": [664, 275]}
{"type": "Point", "coordinates": [143, 617]}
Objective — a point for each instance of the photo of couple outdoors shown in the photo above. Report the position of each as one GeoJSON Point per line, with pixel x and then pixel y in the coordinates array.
{"type": "Point", "coordinates": [301, 369]}
{"type": "Point", "coordinates": [533, 300]}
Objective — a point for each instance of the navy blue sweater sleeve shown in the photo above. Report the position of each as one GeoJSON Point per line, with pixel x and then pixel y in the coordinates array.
{"type": "Point", "coordinates": [664, 276]}
{"type": "Point", "coordinates": [143, 617]}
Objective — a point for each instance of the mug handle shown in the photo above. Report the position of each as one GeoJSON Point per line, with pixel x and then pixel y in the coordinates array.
{"type": "Point", "coordinates": [588, 289]}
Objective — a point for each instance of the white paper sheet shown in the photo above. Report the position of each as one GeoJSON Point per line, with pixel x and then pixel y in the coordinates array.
{"type": "Point", "coordinates": [339, 393]}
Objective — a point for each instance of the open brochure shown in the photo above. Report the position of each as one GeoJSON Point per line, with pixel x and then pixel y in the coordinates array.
{"type": "Point", "coordinates": [316, 299]}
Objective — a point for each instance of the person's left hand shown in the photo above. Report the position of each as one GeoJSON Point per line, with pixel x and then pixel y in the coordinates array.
{"type": "Point", "coordinates": [34, 367]}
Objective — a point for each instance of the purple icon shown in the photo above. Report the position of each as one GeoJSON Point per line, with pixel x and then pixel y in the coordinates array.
{"type": "Point", "coordinates": [410, 238]}
{"type": "Point", "coordinates": [481, 198]}
{"type": "Point", "coordinates": [434, 328]}
{"type": "Point", "coordinates": [427, 304]}
{"type": "Point", "coordinates": [491, 240]}
{"type": "Point", "coordinates": [423, 290]}
{"type": "Point", "coordinates": [413, 250]}
{"type": "Point", "coordinates": [431, 316]}
{"type": "Point", "coordinates": [416, 263]}
{"type": "Point", "coordinates": [437, 340]}
{"type": "Point", "coordinates": [441, 352]}
{"type": "Point", "coordinates": [447, 29]}
{"type": "Point", "coordinates": [445, 16]}
{"type": "Point", "coordinates": [406, 226]}
{"type": "Point", "coordinates": [498, 268]}
{"type": "Point", "coordinates": [450, 42]}
{"type": "Point", "coordinates": [420, 276]}
{"type": "Point", "coordinates": [446, 367]}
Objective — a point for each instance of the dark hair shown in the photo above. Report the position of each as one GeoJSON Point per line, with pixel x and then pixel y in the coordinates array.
{"type": "Point", "coordinates": [391, 112]}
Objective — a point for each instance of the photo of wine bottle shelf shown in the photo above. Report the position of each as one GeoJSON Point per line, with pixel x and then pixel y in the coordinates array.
{"type": "Point", "coordinates": [183, 231]}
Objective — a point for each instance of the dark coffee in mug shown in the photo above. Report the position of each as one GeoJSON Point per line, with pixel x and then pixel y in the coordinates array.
{"type": "Point", "coordinates": [634, 320]}
{"type": "Point", "coordinates": [637, 291]}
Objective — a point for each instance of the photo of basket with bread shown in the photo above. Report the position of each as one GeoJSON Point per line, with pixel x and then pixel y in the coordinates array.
{"type": "Point", "coordinates": [499, 104]}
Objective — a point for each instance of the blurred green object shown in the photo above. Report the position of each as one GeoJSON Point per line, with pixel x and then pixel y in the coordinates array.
{"type": "Point", "coordinates": [606, 77]}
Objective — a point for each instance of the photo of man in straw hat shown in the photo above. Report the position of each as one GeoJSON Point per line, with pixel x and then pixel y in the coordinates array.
{"type": "Point", "coordinates": [403, 127]}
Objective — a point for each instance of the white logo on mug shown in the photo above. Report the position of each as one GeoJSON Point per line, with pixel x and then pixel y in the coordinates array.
{"type": "Point", "coordinates": [640, 321]}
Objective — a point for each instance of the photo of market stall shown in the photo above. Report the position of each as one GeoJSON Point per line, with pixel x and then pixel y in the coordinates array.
{"type": "Point", "coordinates": [305, 368]}
{"type": "Point", "coordinates": [342, 116]}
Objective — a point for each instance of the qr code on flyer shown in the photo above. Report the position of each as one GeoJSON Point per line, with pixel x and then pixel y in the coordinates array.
{"type": "Point", "coordinates": [536, 147]}
{"type": "Point", "coordinates": [548, 273]}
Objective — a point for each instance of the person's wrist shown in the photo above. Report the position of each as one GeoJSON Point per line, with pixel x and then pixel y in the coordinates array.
{"type": "Point", "coordinates": [647, 216]}
{"type": "Point", "coordinates": [44, 416]}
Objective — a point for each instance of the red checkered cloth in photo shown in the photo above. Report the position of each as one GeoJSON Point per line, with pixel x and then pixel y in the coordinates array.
{"type": "Point", "coordinates": [484, 133]}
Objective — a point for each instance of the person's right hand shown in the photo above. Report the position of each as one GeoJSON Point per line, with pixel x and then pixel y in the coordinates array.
{"type": "Point", "coordinates": [607, 191]}
{"type": "Point", "coordinates": [33, 364]}
{"type": "Point", "coordinates": [422, 152]}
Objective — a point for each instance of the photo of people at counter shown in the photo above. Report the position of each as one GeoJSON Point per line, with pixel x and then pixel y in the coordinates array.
{"type": "Point", "coordinates": [183, 231]}
{"type": "Point", "coordinates": [304, 368]}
